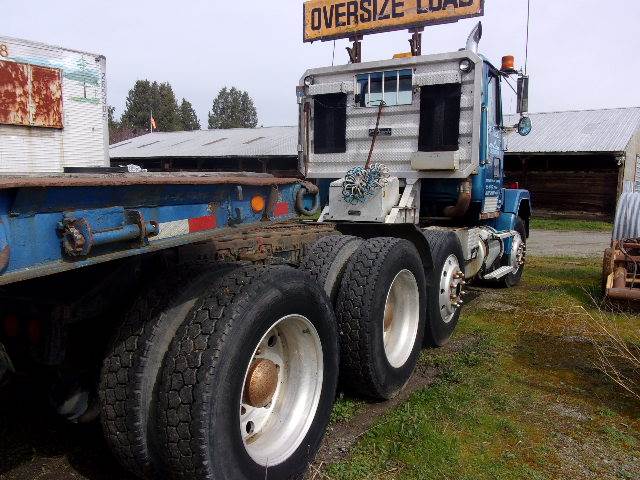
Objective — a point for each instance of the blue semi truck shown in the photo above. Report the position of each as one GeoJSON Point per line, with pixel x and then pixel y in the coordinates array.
{"type": "Point", "coordinates": [205, 318]}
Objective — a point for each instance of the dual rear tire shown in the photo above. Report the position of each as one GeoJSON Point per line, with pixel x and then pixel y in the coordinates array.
{"type": "Point", "coordinates": [232, 373]}
{"type": "Point", "coordinates": [380, 311]}
{"type": "Point", "coordinates": [386, 306]}
{"type": "Point", "coordinates": [244, 386]}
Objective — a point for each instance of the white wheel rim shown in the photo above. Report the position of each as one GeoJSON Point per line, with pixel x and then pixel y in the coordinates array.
{"type": "Point", "coordinates": [401, 318]}
{"type": "Point", "coordinates": [518, 252]}
{"type": "Point", "coordinates": [271, 434]}
{"type": "Point", "coordinates": [451, 292]}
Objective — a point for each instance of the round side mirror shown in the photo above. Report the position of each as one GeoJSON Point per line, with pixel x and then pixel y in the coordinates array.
{"type": "Point", "coordinates": [524, 126]}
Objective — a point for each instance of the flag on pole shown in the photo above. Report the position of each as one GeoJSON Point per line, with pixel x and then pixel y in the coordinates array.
{"type": "Point", "coordinates": [153, 123]}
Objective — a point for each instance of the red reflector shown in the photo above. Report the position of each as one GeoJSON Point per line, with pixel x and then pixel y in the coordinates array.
{"type": "Point", "coordinates": [202, 223]}
{"type": "Point", "coordinates": [281, 209]}
{"type": "Point", "coordinates": [11, 326]}
{"type": "Point", "coordinates": [512, 185]}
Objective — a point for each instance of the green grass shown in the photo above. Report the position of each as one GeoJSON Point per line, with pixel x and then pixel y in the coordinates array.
{"type": "Point", "coordinates": [570, 225]}
{"type": "Point", "coordinates": [345, 409]}
{"type": "Point", "coordinates": [519, 397]}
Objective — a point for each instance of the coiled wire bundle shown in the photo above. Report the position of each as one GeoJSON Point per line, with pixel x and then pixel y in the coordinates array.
{"type": "Point", "coordinates": [360, 182]}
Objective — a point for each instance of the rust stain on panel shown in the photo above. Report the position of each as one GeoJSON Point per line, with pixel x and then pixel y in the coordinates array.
{"type": "Point", "coordinates": [46, 96]}
{"type": "Point", "coordinates": [30, 95]}
{"type": "Point", "coordinates": [14, 93]}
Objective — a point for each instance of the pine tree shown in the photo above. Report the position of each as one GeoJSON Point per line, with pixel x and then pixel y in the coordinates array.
{"type": "Point", "coordinates": [146, 97]}
{"type": "Point", "coordinates": [233, 108]}
{"type": "Point", "coordinates": [188, 116]}
{"type": "Point", "coordinates": [167, 114]}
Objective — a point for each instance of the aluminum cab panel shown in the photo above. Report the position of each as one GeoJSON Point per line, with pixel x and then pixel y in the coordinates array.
{"type": "Point", "coordinates": [397, 149]}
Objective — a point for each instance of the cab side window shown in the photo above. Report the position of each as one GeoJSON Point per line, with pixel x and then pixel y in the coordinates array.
{"type": "Point", "coordinates": [494, 105]}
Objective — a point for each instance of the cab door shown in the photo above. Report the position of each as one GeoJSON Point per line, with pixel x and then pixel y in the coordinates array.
{"type": "Point", "coordinates": [494, 157]}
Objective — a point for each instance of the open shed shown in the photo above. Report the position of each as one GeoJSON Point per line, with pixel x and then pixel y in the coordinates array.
{"type": "Point", "coordinates": [575, 163]}
{"type": "Point", "coordinates": [264, 150]}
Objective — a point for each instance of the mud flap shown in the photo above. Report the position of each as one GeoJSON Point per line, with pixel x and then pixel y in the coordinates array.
{"type": "Point", "coordinates": [5, 364]}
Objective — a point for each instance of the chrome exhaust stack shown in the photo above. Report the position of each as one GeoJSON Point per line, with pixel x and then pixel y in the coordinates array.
{"type": "Point", "coordinates": [474, 38]}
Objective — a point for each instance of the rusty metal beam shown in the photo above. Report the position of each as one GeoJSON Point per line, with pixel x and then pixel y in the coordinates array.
{"type": "Point", "coordinates": [122, 179]}
{"type": "Point", "coordinates": [624, 294]}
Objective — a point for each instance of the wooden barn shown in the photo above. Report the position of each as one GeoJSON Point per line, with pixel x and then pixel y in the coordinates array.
{"type": "Point", "coordinates": [575, 163]}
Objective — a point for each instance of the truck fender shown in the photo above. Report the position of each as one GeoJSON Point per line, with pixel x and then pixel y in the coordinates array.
{"type": "Point", "coordinates": [406, 231]}
{"type": "Point", "coordinates": [302, 195]}
{"type": "Point", "coordinates": [517, 203]}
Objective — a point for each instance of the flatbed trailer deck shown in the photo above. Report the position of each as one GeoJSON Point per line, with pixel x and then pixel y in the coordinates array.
{"type": "Point", "coordinates": [59, 222]}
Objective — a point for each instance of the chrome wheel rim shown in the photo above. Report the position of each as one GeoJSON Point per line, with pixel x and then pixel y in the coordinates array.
{"type": "Point", "coordinates": [401, 318]}
{"type": "Point", "coordinates": [518, 252]}
{"type": "Point", "coordinates": [452, 283]}
{"type": "Point", "coordinates": [281, 390]}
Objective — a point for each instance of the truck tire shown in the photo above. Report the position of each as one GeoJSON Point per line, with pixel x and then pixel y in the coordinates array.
{"type": "Point", "coordinates": [131, 365]}
{"type": "Point", "coordinates": [445, 284]}
{"type": "Point", "coordinates": [380, 312]}
{"type": "Point", "coordinates": [249, 381]}
{"type": "Point", "coordinates": [327, 259]}
{"type": "Point", "coordinates": [519, 251]}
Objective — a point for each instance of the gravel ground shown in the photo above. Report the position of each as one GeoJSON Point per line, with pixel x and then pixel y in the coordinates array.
{"type": "Point", "coordinates": [549, 243]}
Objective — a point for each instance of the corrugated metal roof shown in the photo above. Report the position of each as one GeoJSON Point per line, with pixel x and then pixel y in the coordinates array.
{"type": "Point", "coordinates": [576, 131]}
{"type": "Point", "coordinates": [235, 142]}
{"type": "Point", "coordinates": [553, 132]}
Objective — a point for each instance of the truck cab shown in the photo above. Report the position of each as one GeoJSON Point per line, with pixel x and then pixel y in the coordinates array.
{"type": "Point", "coordinates": [431, 127]}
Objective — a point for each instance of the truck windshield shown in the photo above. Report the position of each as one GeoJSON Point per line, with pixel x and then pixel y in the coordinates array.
{"type": "Point", "coordinates": [394, 87]}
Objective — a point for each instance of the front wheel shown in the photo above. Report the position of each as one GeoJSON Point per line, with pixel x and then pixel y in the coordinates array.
{"type": "Point", "coordinates": [517, 255]}
{"type": "Point", "coordinates": [249, 380]}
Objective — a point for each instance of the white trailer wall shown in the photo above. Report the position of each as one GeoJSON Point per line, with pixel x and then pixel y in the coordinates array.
{"type": "Point", "coordinates": [83, 139]}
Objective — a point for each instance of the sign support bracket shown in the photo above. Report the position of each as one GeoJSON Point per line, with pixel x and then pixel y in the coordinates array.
{"type": "Point", "coordinates": [355, 51]}
{"type": "Point", "coordinates": [416, 41]}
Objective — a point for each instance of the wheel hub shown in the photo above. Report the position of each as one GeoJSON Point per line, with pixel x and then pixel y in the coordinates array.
{"type": "Point", "coordinates": [261, 383]}
{"type": "Point", "coordinates": [518, 252]}
{"type": "Point", "coordinates": [281, 390]}
{"type": "Point", "coordinates": [452, 288]}
{"type": "Point", "coordinates": [401, 318]}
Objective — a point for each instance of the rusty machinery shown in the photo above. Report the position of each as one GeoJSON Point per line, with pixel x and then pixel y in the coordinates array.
{"type": "Point", "coordinates": [621, 266]}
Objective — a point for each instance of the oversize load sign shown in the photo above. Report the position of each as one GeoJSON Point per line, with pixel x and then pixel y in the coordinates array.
{"type": "Point", "coordinates": [331, 19]}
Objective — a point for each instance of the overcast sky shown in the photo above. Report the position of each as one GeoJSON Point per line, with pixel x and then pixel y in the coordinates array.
{"type": "Point", "coordinates": [583, 53]}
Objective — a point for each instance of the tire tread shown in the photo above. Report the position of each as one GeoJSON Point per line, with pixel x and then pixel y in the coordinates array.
{"type": "Point", "coordinates": [124, 366]}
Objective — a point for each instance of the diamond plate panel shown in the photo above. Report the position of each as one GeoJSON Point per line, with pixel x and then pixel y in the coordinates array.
{"type": "Point", "coordinates": [404, 121]}
{"type": "Point", "coordinates": [333, 87]}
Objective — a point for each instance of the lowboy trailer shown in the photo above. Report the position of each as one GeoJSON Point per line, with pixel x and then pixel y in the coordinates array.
{"type": "Point", "coordinates": [206, 324]}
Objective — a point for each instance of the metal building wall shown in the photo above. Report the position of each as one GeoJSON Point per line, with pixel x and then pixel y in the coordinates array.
{"type": "Point", "coordinates": [632, 162]}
